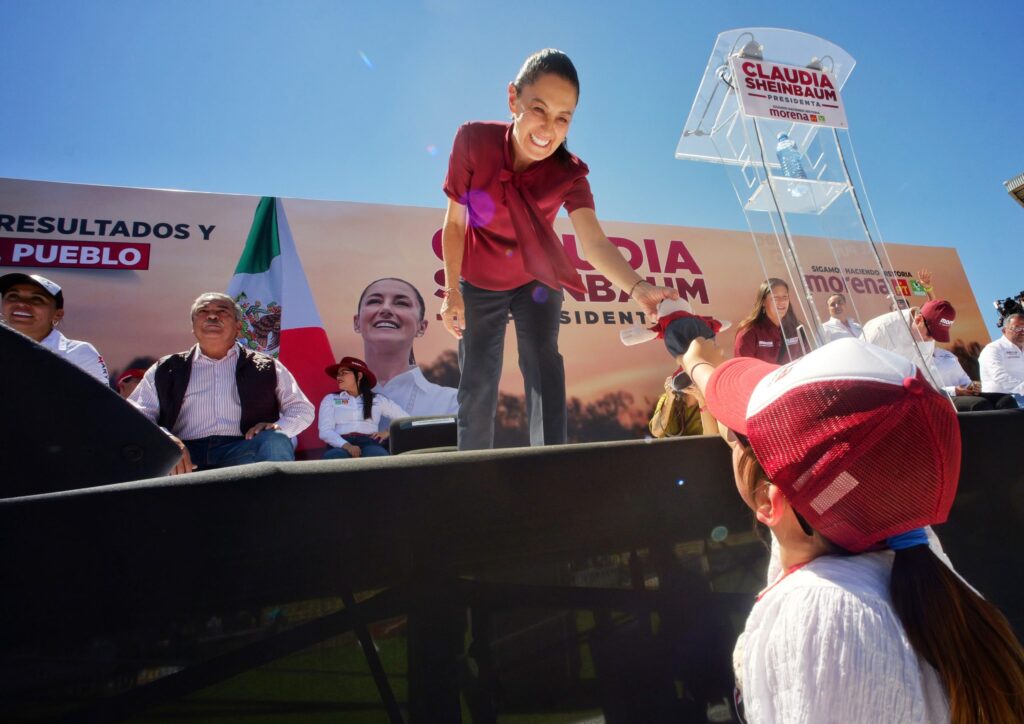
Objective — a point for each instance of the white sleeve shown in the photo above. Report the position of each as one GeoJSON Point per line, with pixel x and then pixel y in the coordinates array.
{"type": "Point", "coordinates": [829, 655]}
{"type": "Point", "coordinates": [873, 332]}
{"type": "Point", "coordinates": [453, 401]}
{"type": "Point", "coordinates": [964, 380]}
{"type": "Point", "coordinates": [144, 395]}
{"type": "Point", "coordinates": [994, 375]}
{"type": "Point", "coordinates": [296, 410]}
{"type": "Point", "coordinates": [326, 423]}
{"type": "Point", "coordinates": [87, 358]}
{"type": "Point", "coordinates": [389, 409]}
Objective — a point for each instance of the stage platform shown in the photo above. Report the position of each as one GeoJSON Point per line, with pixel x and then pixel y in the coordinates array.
{"type": "Point", "coordinates": [645, 541]}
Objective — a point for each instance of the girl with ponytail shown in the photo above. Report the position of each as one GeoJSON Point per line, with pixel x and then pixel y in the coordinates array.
{"type": "Point", "coordinates": [848, 455]}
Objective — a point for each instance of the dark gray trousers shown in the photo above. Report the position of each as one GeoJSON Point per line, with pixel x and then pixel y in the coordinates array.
{"type": "Point", "coordinates": [536, 310]}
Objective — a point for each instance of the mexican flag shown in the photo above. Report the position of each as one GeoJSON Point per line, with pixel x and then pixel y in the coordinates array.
{"type": "Point", "coordinates": [280, 315]}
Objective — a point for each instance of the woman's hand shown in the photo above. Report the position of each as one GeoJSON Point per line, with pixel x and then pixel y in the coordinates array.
{"type": "Point", "coordinates": [453, 312]}
{"type": "Point", "coordinates": [649, 297]}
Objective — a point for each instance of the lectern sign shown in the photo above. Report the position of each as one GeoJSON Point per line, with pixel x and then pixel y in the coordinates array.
{"type": "Point", "coordinates": [787, 92]}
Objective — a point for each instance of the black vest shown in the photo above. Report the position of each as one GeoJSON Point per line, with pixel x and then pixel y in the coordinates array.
{"type": "Point", "coordinates": [255, 376]}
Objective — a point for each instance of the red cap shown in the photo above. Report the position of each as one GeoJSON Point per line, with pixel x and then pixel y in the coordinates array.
{"type": "Point", "coordinates": [858, 442]}
{"type": "Point", "coordinates": [130, 373]}
{"type": "Point", "coordinates": [356, 365]}
{"type": "Point", "coordinates": [940, 315]}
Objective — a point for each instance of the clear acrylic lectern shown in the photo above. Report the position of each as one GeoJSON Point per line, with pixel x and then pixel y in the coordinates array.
{"type": "Point", "coordinates": [817, 233]}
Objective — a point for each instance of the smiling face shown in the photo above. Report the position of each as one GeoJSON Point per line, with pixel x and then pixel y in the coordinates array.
{"type": "Point", "coordinates": [31, 310]}
{"type": "Point", "coordinates": [776, 304]}
{"type": "Point", "coordinates": [215, 327]}
{"type": "Point", "coordinates": [541, 112]}
{"type": "Point", "coordinates": [390, 314]}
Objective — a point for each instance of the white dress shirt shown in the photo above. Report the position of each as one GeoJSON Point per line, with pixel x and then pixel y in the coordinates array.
{"type": "Point", "coordinates": [1002, 367]}
{"type": "Point", "coordinates": [833, 329]}
{"type": "Point", "coordinates": [81, 354]}
{"type": "Point", "coordinates": [413, 393]}
{"type": "Point", "coordinates": [212, 405]}
{"type": "Point", "coordinates": [341, 414]}
{"type": "Point", "coordinates": [892, 332]}
{"type": "Point", "coordinates": [951, 373]}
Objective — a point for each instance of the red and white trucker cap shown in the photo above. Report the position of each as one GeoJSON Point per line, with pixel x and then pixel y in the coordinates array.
{"type": "Point", "coordinates": [860, 444]}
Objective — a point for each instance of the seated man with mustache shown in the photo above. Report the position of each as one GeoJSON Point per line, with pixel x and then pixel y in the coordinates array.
{"type": "Point", "coordinates": [223, 404]}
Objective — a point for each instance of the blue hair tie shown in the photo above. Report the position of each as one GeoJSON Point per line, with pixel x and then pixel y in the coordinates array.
{"type": "Point", "coordinates": [915, 537]}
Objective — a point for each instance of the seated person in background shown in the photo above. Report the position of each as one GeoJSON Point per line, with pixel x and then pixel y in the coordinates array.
{"type": "Point", "coordinates": [898, 331]}
{"type": "Point", "coordinates": [129, 380]}
{"type": "Point", "coordinates": [223, 404]}
{"type": "Point", "coordinates": [34, 306]}
{"type": "Point", "coordinates": [839, 324]}
{"type": "Point", "coordinates": [677, 414]}
{"type": "Point", "coordinates": [1002, 361]}
{"type": "Point", "coordinates": [349, 418]}
{"type": "Point", "coordinates": [956, 383]}
{"type": "Point", "coordinates": [769, 332]}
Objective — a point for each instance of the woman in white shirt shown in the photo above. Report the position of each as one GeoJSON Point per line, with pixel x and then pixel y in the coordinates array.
{"type": "Point", "coordinates": [349, 418]}
{"type": "Point", "coordinates": [846, 454]}
{"type": "Point", "coordinates": [390, 317]}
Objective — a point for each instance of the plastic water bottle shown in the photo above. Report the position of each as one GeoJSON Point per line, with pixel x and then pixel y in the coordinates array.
{"type": "Point", "coordinates": [789, 157]}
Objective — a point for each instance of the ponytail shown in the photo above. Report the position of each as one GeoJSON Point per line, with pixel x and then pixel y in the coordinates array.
{"type": "Point", "coordinates": [964, 637]}
{"type": "Point", "coordinates": [366, 392]}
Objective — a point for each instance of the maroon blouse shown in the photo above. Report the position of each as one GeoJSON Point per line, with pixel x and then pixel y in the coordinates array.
{"type": "Point", "coordinates": [510, 237]}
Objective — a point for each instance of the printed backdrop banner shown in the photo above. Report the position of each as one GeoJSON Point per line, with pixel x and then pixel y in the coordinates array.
{"type": "Point", "coordinates": [131, 262]}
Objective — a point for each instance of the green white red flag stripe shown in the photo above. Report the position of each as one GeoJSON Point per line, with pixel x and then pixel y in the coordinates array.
{"type": "Point", "coordinates": [281, 318]}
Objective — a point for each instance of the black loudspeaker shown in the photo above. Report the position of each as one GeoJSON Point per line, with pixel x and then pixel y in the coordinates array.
{"type": "Point", "coordinates": [409, 434]}
{"type": "Point", "coordinates": [61, 429]}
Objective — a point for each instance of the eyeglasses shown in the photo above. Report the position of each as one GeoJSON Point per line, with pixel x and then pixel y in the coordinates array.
{"type": "Point", "coordinates": [1016, 330]}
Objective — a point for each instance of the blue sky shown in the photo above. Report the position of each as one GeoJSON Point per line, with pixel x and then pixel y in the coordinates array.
{"type": "Point", "coordinates": [359, 101]}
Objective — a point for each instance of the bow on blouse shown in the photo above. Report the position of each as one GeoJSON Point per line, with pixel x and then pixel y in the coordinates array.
{"type": "Point", "coordinates": [541, 250]}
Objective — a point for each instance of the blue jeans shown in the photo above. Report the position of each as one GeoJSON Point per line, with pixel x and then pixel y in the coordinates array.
{"type": "Point", "coordinates": [222, 451]}
{"type": "Point", "coordinates": [536, 310]}
{"type": "Point", "coordinates": [370, 447]}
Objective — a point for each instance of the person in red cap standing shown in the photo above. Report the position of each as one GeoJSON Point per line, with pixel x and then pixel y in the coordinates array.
{"type": "Point", "coordinates": [908, 331]}
{"type": "Point", "coordinates": [349, 418]}
{"type": "Point", "coordinates": [866, 621]}
{"type": "Point", "coordinates": [34, 305]}
{"type": "Point", "coordinates": [506, 183]}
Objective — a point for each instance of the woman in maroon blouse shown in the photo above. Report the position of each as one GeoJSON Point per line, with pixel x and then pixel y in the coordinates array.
{"type": "Point", "coordinates": [505, 185]}
{"type": "Point", "coordinates": [769, 332]}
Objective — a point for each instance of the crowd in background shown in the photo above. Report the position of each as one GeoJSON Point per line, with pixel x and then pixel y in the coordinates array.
{"type": "Point", "coordinates": [390, 315]}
